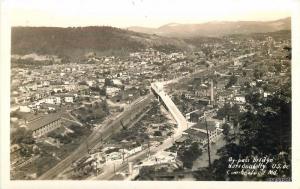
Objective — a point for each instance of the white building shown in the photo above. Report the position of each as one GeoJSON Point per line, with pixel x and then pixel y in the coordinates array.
{"type": "Point", "coordinates": [50, 100]}
{"type": "Point", "coordinates": [58, 100]}
{"type": "Point", "coordinates": [46, 83]}
{"type": "Point", "coordinates": [266, 94]}
{"type": "Point", "coordinates": [112, 91]}
{"type": "Point", "coordinates": [113, 156]}
{"type": "Point", "coordinates": [57, 90]}
{"type": "Point", "coordinates": [240, 99]}
{"type": "Point", "coordinates": [90, 83]}
{"type": "Point", "coordinates": [69, 87]}
{"type": "Point", "coordinates": [69, 99]}
{"type": "Point", "coordinates": [102, 80]}
{"type": "Point", "coordinates": [132, 151]}
{"type": "Point", "coordinates": [117, 82]}
{"type": "Point", "coordinates": [25, 109]}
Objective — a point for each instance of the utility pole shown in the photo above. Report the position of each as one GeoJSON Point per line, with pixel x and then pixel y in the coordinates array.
{"type": "Point", "coordinates": [123, 152]}
{"type": "Point", "coordinates": [101, 137]}
{"type": "Point", "coordinates": [87, 146]}
{"type": "Point", "coordinates": [211, 92]}
{"type": "Point", "coordinates": [123, 126]}
{"type": "Point", "coordinates": [114, 168]}
{"type": "Point", "coordinates": [148, 148]}
{"type": "Point", "coordinates": [208, 143]}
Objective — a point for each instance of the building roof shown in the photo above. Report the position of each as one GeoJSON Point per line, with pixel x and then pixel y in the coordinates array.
{"type": "Point", "coordinates": [211, 125]}
{"type": "Point", "coordinates": [42, 121]}
{"type": "Point", "coordinates": [181, 139]}
{"type": "Point", "coordinates": [194, 133]}
{"type": "Point", "coordinates": [198, 112]}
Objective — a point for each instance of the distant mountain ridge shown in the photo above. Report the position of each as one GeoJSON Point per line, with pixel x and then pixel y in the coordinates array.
{"type": "Point", "coordinates": [75, 42]}
{"type": "Point", "coordinates": [216, 28]}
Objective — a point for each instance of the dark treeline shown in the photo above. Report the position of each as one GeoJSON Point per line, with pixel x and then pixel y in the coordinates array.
{"type": "Point", "coordinates": [78, 41]}
{"type": "Point", "coordinates": [70, 41]}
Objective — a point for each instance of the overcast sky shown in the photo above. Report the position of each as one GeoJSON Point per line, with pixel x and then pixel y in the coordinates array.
{"type": "Point", "coordinates": [149, 13]}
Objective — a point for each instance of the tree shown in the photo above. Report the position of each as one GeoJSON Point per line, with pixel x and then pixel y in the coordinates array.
{"type": "Point", "coordinates": [157, 133]}
{"type": "Point", "coordinates": [82, 83]}
{"type": "Point", "coordinates": [26, 151]}
{"type": "Point", "coordinates": [146, 173]}
{"type": "Point", "coordinates": [108, 82]}
{"type": "Point", "coordinates": [102, 91]}
{"type": "Point", "coordinates": [164, 68]}
{"type": "Point", "coordinates": [232, 80]}
{"type": "Point", "coordinates": [226, 129]}
{"type": "Point", "coordinates": [234, 111]}
{"type": "Point", "coordinates": [188, 156]}
{"type": "Point", "coordinates": [105, 107]}
{"type": "Point", "coordinates": [21, 135]}
{"type": "Point", "coordinates": [258, 73]}
{"type": "Point", "coordinates": [244, 73]}
{"type": "Point", "coordinates": [289, 50]}
{"type": "Point", "coordinates": [278, 67]}
{"type": "Point", "coordinates": [264, 130]}
{"type": "Point", "coordinates": [224, 111]}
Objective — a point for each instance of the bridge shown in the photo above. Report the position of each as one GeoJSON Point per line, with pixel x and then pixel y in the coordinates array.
{"type": "Point", "coordinates": [158, 91]}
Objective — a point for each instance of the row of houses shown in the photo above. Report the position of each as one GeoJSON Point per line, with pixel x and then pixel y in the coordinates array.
{"type": "Point", "coordinates": [51, 100]}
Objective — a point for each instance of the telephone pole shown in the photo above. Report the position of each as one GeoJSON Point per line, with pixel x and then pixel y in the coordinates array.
{"type": "Point", "coordinates": [211, 92]}
{"type": "Point", "coordinates": [148, 148]}
{"type": "Point", "coordinates": [123, 153]}
{"type": "Point", "coordinates": [87, 146]}
{"type": "Point", "coordinates": [114, 168]}
{"type": "Point", "coordinates": [208, 143]}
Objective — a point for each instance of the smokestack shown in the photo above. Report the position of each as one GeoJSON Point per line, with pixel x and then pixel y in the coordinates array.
{"type": "Point", "coordinates": [211, 92]}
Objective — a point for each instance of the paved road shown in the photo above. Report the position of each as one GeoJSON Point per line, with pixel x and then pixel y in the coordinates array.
{"type": "Point", "coordinates": [100, 134]}
{"type": "Point", "coordinates": [111, 168]}
{"type": "Point", "coordinates": [182, 124]}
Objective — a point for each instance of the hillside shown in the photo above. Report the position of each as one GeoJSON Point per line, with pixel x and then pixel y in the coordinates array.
{"type": "Point", "coordinates": [78, 41]}
{"type": "Point", "coordinates": [213, 29]}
